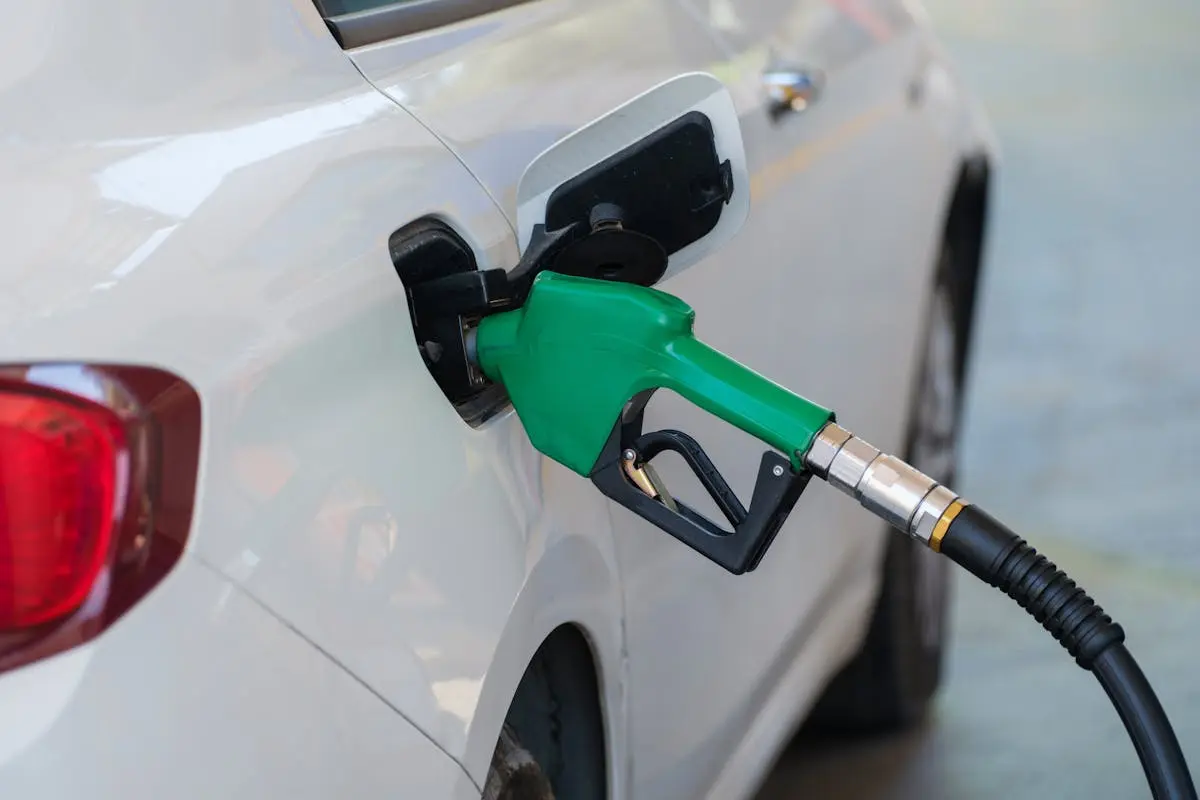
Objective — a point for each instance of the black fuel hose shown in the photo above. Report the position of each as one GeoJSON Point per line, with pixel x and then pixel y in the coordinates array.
{"type": "Point", "coordinates": [996, 555]}
{"type": "Point", "coordinates": [935, 515]}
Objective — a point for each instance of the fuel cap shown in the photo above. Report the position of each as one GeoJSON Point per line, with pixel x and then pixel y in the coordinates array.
{"type": "Point", "coordinates": [612, 252]}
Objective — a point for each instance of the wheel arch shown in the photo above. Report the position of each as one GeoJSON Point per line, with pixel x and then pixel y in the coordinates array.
{"type": "Point", "coordinates": [564, 634]}
{"type": "Point", "coordinates": [557, 713]}
{"type": "Point", "coordinates": [965, 233]}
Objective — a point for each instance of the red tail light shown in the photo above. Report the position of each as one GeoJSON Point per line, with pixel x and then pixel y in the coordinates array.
{"type": "Point", "coordinates": [61, 469]}
{"type": "Point", "coordinates": [90, 517]}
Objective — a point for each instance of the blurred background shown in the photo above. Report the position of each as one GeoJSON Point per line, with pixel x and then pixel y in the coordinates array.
{"type": "Point", "coordinates": [1083, 413]}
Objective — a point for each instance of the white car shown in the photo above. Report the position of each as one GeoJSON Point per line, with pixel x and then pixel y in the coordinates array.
{"type": "Point", "coordinates": [248, 546]}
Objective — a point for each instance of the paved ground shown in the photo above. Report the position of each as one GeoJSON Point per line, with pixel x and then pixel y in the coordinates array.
{"type": "Point", "coordinates": [1084, 417]}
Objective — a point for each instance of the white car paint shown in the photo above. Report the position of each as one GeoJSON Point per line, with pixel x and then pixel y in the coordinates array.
{"type": "Point", "coordinates": [209, 188]}
{"type": "Point", "coordinates": [205, 694]}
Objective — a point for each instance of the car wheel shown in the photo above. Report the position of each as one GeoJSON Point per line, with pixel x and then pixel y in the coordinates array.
{"type": "Point", "coordinates": [514, 774]}
{"type": "Point", "coordinates": [889, 683]}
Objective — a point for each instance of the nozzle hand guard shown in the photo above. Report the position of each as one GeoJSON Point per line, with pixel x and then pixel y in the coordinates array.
{"type": "Point", "coordinates": [738, 549]}
{"type": "Point", "coordinates": [580, 361]}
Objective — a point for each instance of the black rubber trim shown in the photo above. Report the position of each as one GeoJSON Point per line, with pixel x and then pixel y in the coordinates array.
{"type": "Point", "coordinates": [404, 18]}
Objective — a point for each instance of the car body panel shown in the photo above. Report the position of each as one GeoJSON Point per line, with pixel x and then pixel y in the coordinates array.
{"type": "Point", "coordinates": [227, 216]}
{"type": "Point", "coordinates": [195, 696]}
{"type": "Point", "coordinates": [210, 188]}
{"type": "Point", "coordinates": [501, 88]}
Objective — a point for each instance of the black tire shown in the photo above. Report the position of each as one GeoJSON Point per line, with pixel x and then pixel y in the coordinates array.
{"type": "Point", "coordinates": [555, 715]}
{"type": "Point", "coordinates": [515, 774]}
{"type": "Point", "coordinates": [888, 685]}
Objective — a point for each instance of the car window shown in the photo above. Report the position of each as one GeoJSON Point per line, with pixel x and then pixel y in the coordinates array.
{"type": "Point", "coordinates": [360, 22]}
{"type": "Point", "coordinates": [335, 8]}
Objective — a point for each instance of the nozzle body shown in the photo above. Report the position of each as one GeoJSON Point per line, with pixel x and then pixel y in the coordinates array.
{"type": "Point", "coordinates": [579, 349]}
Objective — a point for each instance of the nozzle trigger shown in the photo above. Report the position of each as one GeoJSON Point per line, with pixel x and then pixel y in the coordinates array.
{"type": "Point", "coordinates": [624, 474]}
{"type": "Point", "coordinates": [645, 477]}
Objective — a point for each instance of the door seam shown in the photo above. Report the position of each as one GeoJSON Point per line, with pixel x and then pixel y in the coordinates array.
{"type": "Point", "coordinates": [443, 142]}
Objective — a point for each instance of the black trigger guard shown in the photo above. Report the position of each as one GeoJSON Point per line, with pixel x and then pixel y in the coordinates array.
{"type": "Point", "coordinates": [776, 491]}
{"type": "Point", "coordinates": [649, 445]}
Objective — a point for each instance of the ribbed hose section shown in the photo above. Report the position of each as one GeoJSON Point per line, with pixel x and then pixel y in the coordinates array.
{"type": "Point", "coordinates": [999, 557]}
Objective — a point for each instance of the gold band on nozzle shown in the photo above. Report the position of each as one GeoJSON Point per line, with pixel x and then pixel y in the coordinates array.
{"type": "Point", "coordinates": [943, 525]}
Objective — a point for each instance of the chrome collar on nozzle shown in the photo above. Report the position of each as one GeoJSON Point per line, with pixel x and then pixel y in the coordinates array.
{"type": "Point", "coordinates": [886, 486]}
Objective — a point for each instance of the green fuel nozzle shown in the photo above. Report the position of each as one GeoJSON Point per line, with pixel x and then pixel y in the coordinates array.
{"type": "Point", "coordinates": [580, 349]}
{"type": "Point", "coordinates": [580, 359]}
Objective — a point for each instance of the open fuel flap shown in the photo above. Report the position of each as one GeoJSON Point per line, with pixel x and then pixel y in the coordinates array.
{"type": "Point", "coordinates": [635, 196]}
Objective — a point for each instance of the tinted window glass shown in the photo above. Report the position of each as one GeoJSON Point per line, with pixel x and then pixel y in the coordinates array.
{"type": "Point", "coordinates": [335, 8]}
{"type": "Point", "coordinates": [360, 22]}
